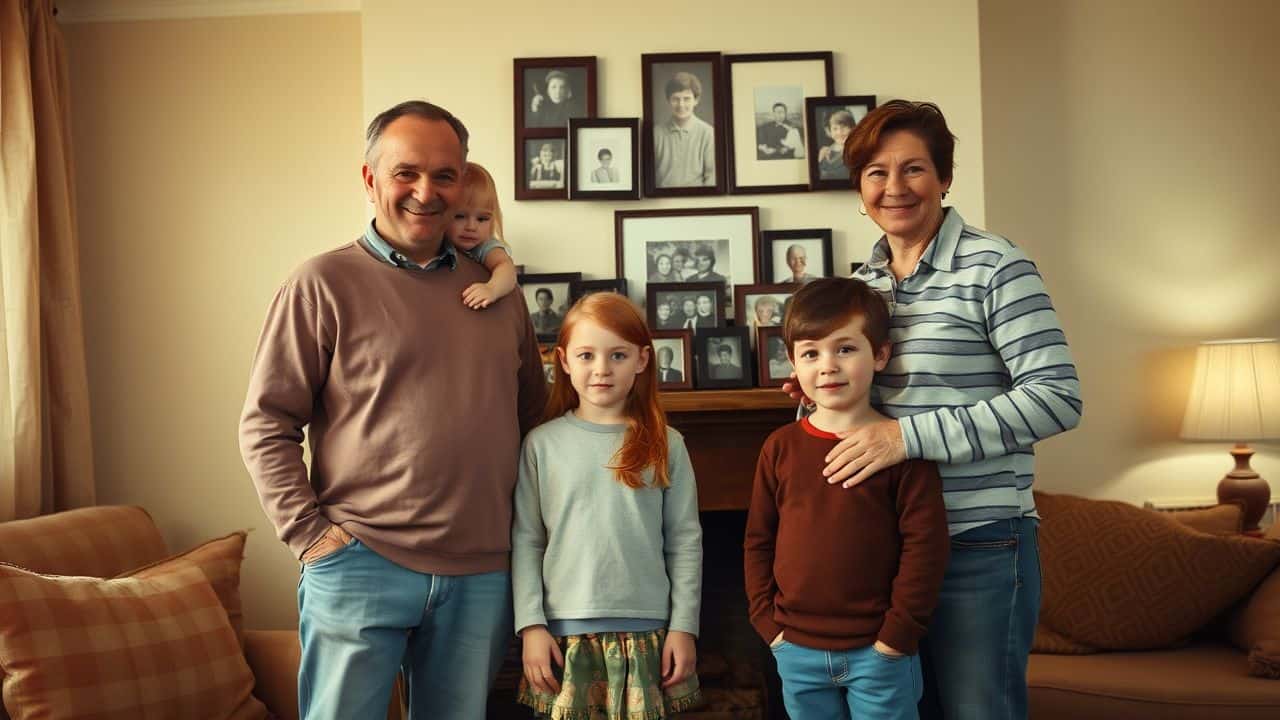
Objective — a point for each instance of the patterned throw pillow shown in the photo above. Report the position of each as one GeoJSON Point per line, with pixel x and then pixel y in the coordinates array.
{"type": "Point", "coordinates": [1117, 577]}
{"type": "Point", "coordinates": [79, 647]}
{"type": "Point", "coordinates": [220, 561]}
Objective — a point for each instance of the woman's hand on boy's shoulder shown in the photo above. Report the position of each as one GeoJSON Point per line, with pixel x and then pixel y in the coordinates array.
{"type": "Point", "coordinates": [864, 452]}
{"type": "Point", "coordinates": [679, 657]}
{"type": "Point", "coordinates": [540, 650]}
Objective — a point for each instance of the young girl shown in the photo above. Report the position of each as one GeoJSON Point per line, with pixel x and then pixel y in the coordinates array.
{"type": "Point", "coordinates": [476, 230]}
{"type": "Point", "coordinates": [606, 558]}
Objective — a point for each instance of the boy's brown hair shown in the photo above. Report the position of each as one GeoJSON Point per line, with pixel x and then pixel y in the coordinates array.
{"type": "Point", "coordinates": [824, 305]}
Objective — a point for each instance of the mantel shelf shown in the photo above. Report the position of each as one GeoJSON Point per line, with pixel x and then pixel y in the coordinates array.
{"type": "Point", "coordinates": [725, 400]}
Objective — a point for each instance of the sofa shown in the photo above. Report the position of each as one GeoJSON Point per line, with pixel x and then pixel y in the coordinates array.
{"type": "Point", "coordinates": [1204, 676]}
{"type": "Point", "coordinates": [111, 541]}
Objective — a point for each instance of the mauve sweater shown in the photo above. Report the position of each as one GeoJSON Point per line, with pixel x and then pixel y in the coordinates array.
{"type": "Point", "coordinates": [838, 568]}
{"type": "Point", "coordinates": [415, 406]}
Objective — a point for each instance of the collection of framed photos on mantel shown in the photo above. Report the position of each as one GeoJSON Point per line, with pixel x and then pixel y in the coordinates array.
{"type": "Point", "coordinates": [714, 287]}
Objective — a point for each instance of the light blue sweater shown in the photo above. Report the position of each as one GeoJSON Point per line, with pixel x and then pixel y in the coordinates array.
{"type": "Point", "coordinates": [585, 546]}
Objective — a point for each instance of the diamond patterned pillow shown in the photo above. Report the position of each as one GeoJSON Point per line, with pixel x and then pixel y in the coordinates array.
{"type": "Point", "coordinates": [1117, 577]}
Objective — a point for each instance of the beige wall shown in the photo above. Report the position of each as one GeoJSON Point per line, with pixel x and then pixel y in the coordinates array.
{"type": "Point", "coordinates": [212, 156]}
{"type": "Point", "coordinates": [1132, 148]}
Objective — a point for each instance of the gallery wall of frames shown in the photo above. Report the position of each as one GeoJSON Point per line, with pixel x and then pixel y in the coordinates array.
{"type": "Point", "coordinates": [714, 286]}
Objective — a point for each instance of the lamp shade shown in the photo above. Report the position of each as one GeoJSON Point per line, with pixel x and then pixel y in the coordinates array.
{"type": "Point", "coordinates": [1235, 393]}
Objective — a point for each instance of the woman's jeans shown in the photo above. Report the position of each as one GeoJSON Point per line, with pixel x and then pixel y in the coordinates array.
{"type": "Point", "coordinates": [975, 654]}
{"type": "Point", "coordinates": [362, 618]}
{"type": "Point", "coordinates": [861, 684]}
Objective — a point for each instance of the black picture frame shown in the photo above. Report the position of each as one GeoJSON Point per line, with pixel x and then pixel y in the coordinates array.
{"type": "Point", "coordinates": [769, 341]}
{"type": "Point", "coordinates": [658, 295]}
{"type": "Point", "coordinates": [581, 288]}
{"type": "Point", "coordinates": [656, 70]}
{"type": "Point", "coordinates": [531, 78]}
{"type": "Point", "coordinates": [587, 147]}
{"type": "Point", "coordinates": [769, 163]}
{"type": "Point", "coordinates": [686, 368]}
{"type": "Point", "coordinates": [558, 284]}
{"type": "Point", "coordinates": [823, 171]}
{"type": "Point", "coordinates": [776, 244]}
{"type": "Point", "coordinates": [710, 374]}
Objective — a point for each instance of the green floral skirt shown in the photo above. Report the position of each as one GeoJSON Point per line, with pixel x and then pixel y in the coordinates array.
{"type": "Point", "coordinates": [612, 676]}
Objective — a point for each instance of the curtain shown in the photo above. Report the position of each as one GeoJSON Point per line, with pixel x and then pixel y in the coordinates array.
{"type": "Point", "coordinates": [46, 453]}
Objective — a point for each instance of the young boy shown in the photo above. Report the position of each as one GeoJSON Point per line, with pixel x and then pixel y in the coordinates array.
{"type": "Point", "coordinates": [841, 582]}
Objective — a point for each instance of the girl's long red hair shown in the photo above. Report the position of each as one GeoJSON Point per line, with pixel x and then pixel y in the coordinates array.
{"type": "Point", "coordinates": [645, 444]}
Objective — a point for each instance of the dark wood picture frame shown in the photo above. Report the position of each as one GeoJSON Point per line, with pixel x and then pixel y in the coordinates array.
{"type": "Point", "coordinates": [566, 279]}
{"type": "Point", "coordinates": [735, 134]}
{"type": "Point", "coordinates": [740, 293]}
{"type": "Point", "coordinates": [637, 278]}
{"type": "Point", "coordinates": [524, 133]}
{"type": "Point", "coordinates": [686, 342]}
{"type": "Point", "coordinates": [716, 289]}
{"type": "Point", "coordinates": [702, 344]}
{"type": "Point", "coordinates": [575, 180]}
{"type": "Point", "coordinates": [818, 131]}
{"type": "Point", "coordinates": [763, 337]}
{"type": "Point", "coordinates": [654, 117]}
{"type": "Point", "coordinates": [769, 273]}
{"type": "Point", "coordinates": [547, 351]}
{"type": "Point", "coordinates": [582, 288]}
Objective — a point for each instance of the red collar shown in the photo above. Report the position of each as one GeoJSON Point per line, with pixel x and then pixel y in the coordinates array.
{"type": "Point", "coordinates": [809, 428]}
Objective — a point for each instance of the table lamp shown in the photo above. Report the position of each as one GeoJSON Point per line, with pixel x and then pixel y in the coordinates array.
{"type": "Point", "coordinates": [1235, 396]}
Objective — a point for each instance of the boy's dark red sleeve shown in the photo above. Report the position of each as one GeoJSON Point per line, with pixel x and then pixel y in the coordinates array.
{"type": "Point", "coordinates": [758, 547]}
{"type": "Point", "coordinates": [926, 546]}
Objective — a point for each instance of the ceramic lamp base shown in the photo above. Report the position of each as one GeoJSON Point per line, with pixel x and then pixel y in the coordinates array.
{"type": "Point", "coordinates": [1243, 485]}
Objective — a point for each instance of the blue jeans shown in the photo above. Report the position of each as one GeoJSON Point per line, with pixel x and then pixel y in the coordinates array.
{"type": "Point", "coordinates": [975, 655]}
{"type": "Point", "coordinates": [862, 683]}
{"type": "Point", "coordinates": [362, 617]}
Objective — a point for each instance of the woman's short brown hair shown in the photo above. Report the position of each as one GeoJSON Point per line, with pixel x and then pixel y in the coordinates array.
{"type": "Point", "coordinates": [825, 305]}
{"type": "Point", "coordinates": [923, 119]}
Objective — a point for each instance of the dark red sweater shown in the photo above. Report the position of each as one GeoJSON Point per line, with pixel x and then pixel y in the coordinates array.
{"type": "Point", "coordinates": [841, 568]}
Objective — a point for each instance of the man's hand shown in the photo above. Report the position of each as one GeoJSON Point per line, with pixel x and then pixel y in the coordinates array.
{"type": "Point", "coordinates": [679, 657]}
{"type": "Point", "coordinates": [333, 540]}
{"type": "Point", "coordinates": [540, 650]}
{"type": "Point", "coordinates": [884, 649]}
{"type": "Point", "coordinates": [777, 641]}
{"type": "Point", "coordinates": [792, 388]}
{"type": "Point", "coordinates": [478, 296]}
{"type": "Point", "coordinates": [824, 153]}
{"type": "Point", "coordinates": [864, 452]}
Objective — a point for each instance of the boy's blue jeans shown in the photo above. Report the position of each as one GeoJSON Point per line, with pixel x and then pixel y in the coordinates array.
{"type": "Point", "coordinates": [861, 683]}
{"type": "Point", "coordinates": [362, 617]}
{"type": "Point", "coordinates": [975, 654]}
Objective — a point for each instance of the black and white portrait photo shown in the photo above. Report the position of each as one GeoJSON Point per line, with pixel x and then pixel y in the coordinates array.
{"type": "Point", "coordinates": [691, 308]}
{"type": "Point", "coordinates": [545, 160]}
{"type": "Point", "coordinates": [670, 261]}
{"type": "Point", "coordinates": [681, 110]}
{"type": "Point", "coordinates": [830, 121]}
{"type": "Point", "coordinates": [554, 95]}
{"type": "Point", "coordinates": [725, 361]}
{"type": "Point", "coordinates": [772, 360]}
{"type": "Point", "coordinates": [779, 122]}
{"type": "Point", "coordinates": [795, 257]}
{"type": "Point", "coordinates": [765, 310]}
{"type": "Point", "coordinates": [548, 298]}
{"type": "Point", "coordinates": [604, 159]}
{"type": "Point", "coordinates": [670, 356]}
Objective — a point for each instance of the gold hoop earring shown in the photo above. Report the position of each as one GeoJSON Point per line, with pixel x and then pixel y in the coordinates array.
{"type": "Point", "coordinates": [862, 210]}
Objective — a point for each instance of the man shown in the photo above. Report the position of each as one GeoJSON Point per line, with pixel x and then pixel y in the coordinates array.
{"type": "Point", "coordinates": [777, 139]}
{"type": "Point", "coordinates": [666, 373]}
{"type": "Point", "coordinates": [797, 261]}
{"type": "Point", "coordinates": [414, 406]}
{"type": "Point", "coordinates": [684, 147]}
{"type": "Point", "coordinates": [559, 104]}
{"type": "Point", "coordinates": [705, 256]}
{"type": "Point", "coordinates": [725, 368]}
{"type": "Point", "coordinates": [545, 320]}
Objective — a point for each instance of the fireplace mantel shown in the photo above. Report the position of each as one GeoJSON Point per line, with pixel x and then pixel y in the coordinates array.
{"type": "Point", "coordinates": [724, 430]}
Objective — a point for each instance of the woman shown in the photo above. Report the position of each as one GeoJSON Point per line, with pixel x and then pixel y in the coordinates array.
{"type": "Point", "coordinates": [980, 372]}
{"type": "Point", "coordinates": [662, 267]}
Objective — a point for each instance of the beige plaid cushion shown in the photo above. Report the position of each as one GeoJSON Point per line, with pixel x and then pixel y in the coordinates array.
{"type": "Point", "coordinates": [220, 561]}
{"type": "Point", "coordinates": [159, 647]}
{"type": "Point", "coordinates": [95, 541]}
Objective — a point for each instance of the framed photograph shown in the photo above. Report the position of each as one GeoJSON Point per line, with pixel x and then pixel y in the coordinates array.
{"type": "Point", "coordinates": [683, 124]}
{"type": "Point", "coordinates": [547, 295]}
{"type": "Point", "coordinates": [548, 353]}
{"type": "Point", "coordinates": [692, 306]}
{"type": "Point", "coordinates": [579, 289]}
{"type": "Point", "coordinates": [673, 356]}
{"type": "Point", "coordinates": [795, 256]}
{"type": "Point", "coordinates": [604, 159]}
{"type": "Point", "coordinates": [854, 267]}
{"type": "Point", "coordinates": [758, 306]}
{"type": "Point", "coordinates": [687, 245]}
{"type": "Point", "coordinates": [765, 118]}
{"type": "Point", "coordinates": [724, 358]}
{"type": "Point", "coordinates": [549, 92]}
{"type": "Point", "coordinates": [829, 121]}
{"type": "Point", "coordinates": [773, 365]}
